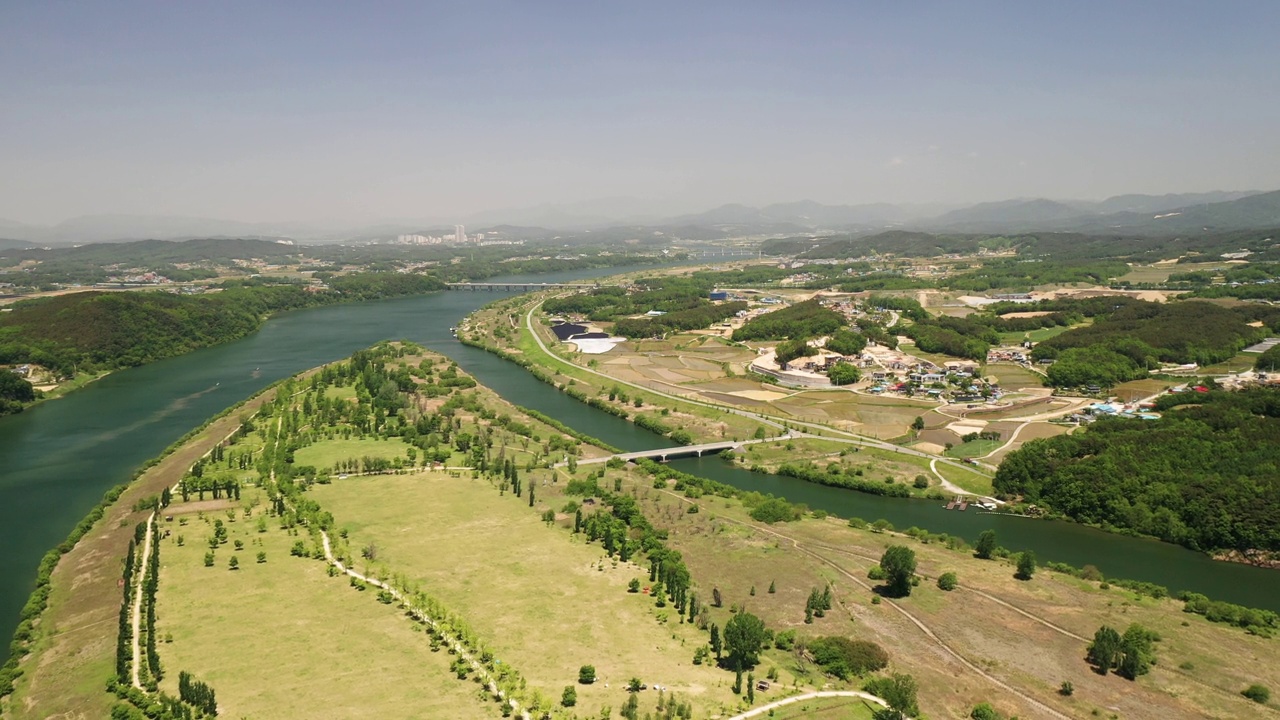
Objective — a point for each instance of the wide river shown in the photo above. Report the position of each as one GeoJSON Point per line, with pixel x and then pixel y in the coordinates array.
{"type": "Point", "coordinates": [58, 458]}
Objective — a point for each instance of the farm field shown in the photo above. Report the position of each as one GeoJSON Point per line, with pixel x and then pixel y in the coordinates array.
{"type": "Point", "coordinates": [971, 480]}
{"type": "Point", "coordinates": [1159, 273]}
{"type": "Point", "coordinates": [1029, 432]}
{"type": "Point", "coordinates": [1014, 338]}
{"type": "Point", "coordinates": [1139, 389]}
{"type": "Point", "coordinates": [1013, 377]}
{"type": "Point", "coordinates": [974, 448]}
{"type": "Point", "coordinates": [1240, 363]}
{"type": "Point", "coordinates": [878, 417]}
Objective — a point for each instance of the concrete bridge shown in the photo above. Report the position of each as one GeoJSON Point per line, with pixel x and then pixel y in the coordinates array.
{"type": "Point", "coordinates": [524, 287]}
{"type": "Point", "coordinates": [663, 454]}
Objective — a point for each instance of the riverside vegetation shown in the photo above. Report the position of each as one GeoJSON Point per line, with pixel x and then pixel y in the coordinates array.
{"type": "Point", "coordinates": [359, 451]}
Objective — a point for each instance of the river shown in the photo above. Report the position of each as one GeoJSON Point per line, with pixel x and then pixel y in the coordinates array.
{"type": "Point", "coordinates": [58, 458]}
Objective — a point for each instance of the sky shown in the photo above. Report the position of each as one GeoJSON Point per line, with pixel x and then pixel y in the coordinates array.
{"type": "Point", "coordinates": [384, 111]}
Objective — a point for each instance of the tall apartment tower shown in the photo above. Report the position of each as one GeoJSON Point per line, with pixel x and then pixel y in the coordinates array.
{"type": "Point", "coordinates": [459, 233]}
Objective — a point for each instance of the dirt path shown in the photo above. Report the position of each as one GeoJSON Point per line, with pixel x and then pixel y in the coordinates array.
{"type": "Point", "coordinates": [947, 484]}
{"type": "Point", "coordinates": [1012, 439]}
{"type": "Point", "coordinates": [135, 614]}
{"type": "Point", "coordinates": [456, 646]}
{"type": "Point", "coordinates": [763, 709]}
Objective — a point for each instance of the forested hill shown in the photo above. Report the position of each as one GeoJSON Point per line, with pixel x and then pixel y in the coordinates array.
{"type": "Point", "coordinates": [1205, 475]}
{"type": "Point", "coordinates": [102, 331]}
{"type": "Point", "coordinates": [1060, 247]}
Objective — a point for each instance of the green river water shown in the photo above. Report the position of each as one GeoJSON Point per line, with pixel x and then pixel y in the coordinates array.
{"type": "Point", "coordinates": [58, 458]}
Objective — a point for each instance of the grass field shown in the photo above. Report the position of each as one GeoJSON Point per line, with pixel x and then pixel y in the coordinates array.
{"type": "Point", "coordinates": [323, 455]}
{"type": "Point", "coordinates": [971, 480]}
{"type": "Point", "coordinates": [974, 448]}
{"type": "Point", "coordinates": [545, 602]}
{"type": "Point", "coordinates": [1014, 338]}
{"type": "Point", "coordinates": [875, 463]}
{"type": "Point", "coordinates": [1160, 273]}
{"type": "Point", "coordinates": [1239, 363]}
{"type": "Point", "coordinates": [1011, 377]}
{"type": "Point", "coordinates": [283, 639]}
{"type": "Point", "coordinates": [1202, 666]}
{"type": "Point", "coordinates": [74, 651]}
{"type": "Point", "coordinates": [823, 709]}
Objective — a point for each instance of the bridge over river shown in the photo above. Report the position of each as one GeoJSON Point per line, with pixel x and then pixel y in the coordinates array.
{"type": "Point", "coordinates": [663, 454]}
{"type": "Point", "coordinates": [522, 286]}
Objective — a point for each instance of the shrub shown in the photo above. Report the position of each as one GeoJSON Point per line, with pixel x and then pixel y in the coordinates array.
{"type": "Point", "coordinates": [1257, 693]}
{"type": "Point", "coordinates": [1026, 566]}
{"type": "Point", "coordinates": [984, 711]}
{"type": "Point", "coordinates": [844, 657]}
{"type": "Point", "coordinates": [587, 674]}
{"type": "Point", "coordinates": [947, 581]}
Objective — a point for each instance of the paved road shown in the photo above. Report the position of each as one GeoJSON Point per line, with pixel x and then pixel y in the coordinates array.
{"type": "Point", "coordinates": [825, 431]}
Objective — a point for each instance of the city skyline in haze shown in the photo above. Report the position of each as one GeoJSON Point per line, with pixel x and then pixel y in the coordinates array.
{"type": "Point", "coordinates": [329, 112]}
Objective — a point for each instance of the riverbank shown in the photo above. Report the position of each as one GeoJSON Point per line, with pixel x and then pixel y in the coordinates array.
{"type": "Point", "coordinates": [60, 457]}
{"type": "Point", "coordinates": [1031, 635]}
{"type": "Point", "coordinates": [514, 330]}
{"type": "Point", "coordinates": [509, 330]}
{"type": "Point", "coordinates": [72, 640]}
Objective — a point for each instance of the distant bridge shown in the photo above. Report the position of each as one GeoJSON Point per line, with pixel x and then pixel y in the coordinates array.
{"type": "Point", "coordinates": [663, 454]}
{"type": "Point", "coordinates": [525, 287]}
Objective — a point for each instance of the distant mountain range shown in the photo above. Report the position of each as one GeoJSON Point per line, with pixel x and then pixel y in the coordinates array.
{"type": "Point", "coordinates": [618, 217]}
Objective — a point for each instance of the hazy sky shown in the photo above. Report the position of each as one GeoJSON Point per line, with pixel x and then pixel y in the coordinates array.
{"type": "Point", "coordinates": [376, 110]}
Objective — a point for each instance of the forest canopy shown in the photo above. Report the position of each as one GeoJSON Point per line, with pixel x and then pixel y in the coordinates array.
{"type": "Point", "coordinates": [1205, 475]}
{"type": "Point", "coordinates": [806, 319]}
{"type": "Point", "coordinates": [104, 330]}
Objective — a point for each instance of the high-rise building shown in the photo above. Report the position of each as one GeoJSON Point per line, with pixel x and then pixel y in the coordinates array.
{"type": "Point", "coordinates": [459, 233]}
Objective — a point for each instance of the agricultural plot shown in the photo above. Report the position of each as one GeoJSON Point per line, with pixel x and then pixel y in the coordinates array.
{"type": "Point", "coordinates": [1139, 389]}
{"type": "Point", "coordinates": [1240, 363]}
{"type": "Point", "coordinates": [879, 417]}
{"type": "Point", "coordinates": [1032, 431]}
{"type": "Point", "coordinates": [1013, 377]}
{"type": "Point", "coordinates": [1014, 338]}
